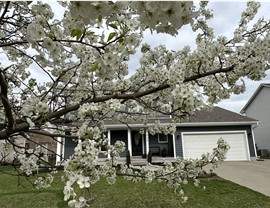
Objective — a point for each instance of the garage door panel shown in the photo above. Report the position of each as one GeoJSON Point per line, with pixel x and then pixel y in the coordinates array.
{"type": "Point", "coordinates": [197, 144]}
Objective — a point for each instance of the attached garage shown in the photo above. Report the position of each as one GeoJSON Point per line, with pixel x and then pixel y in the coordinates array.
{"type": "Point", "coordinates": [197, 143]}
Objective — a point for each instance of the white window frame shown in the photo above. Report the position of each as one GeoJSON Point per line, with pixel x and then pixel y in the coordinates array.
{"type": "Point", "coordinates": [166, 136]}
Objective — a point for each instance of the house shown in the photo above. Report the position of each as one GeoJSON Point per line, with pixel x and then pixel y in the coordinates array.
{"type": "Point", "coordinates": [258, 107]}
{"type": "Point", "coordinates": [28, 141]}
{"type": "Point", "coordinates": [48, 144]}
{"type": "Point", "coordinates": [194, 136]}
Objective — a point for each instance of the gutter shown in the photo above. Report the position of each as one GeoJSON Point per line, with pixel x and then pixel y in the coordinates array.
{"type": "Point", "coordinates": [252, 123]}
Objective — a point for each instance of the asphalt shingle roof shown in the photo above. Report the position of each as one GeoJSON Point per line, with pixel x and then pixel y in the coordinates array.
{"type": "Point", "coordinates": [217, 114]}
{"type": "Point", "coordinates": [214, 115]}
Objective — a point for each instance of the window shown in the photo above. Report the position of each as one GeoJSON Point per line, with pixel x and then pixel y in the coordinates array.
{"type": "Point", "coordinates": [102, 148]}
{"type": "Point", "coordinates": [102, 143]}
{"type": "Point", "coordinates": [162, 138]}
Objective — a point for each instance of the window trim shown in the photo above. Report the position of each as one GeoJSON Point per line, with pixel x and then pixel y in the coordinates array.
{"type": "Point", "coordinates": [165, 141]}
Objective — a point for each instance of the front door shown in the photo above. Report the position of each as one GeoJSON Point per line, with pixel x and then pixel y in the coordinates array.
{"type": "Point", "coordinates": [136, 138]}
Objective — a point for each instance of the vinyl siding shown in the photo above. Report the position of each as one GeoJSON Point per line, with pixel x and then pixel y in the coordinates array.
{"type": "Point", "coordinates": [259, 109]}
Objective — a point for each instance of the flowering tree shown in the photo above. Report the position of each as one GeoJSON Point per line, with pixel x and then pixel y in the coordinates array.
{"type": "Point", "coordinates": [83, 59]}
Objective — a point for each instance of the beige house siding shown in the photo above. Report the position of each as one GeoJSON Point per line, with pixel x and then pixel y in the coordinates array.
{"type": "Point", "coordinates": [48, 143]}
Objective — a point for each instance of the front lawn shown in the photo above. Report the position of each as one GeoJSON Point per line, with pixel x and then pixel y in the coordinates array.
{"type": "Point", "coordinates": [219, 193]}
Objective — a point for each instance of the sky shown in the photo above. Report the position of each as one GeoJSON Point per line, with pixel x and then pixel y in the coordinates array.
{"type": "Point", "coordinates": [226, 17]}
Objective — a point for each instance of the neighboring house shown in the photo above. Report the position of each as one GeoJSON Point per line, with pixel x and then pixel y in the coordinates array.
{"type": "Point", "coordinates": [47, 144]}
{"type": "Point", "coordinates": [258, 107]}
{"type": "Point", "coordinates": [193, 137]}
{"type": "Point", "coordinates": [29, 141]}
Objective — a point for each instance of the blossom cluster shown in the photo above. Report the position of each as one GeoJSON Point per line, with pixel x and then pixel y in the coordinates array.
{"type": "Point", "coordinates": [84, 58]}
{"type": "Point", "coordinates": [166, 17]}
{"type": "Point", "coordinates": [88, 132]}
{"type": "Point", "coordinates": [33, 108]}
{"type": "Point", "coordinates": [44, 182]}
{"type": "Point", "coordinates": [159, 128]}
{"type": "Point", "coordinates": [160, 16]}
{"type": "Point", "coordinates": [81, 170]}
{"type": "Point", "coordinates": [29, 163]}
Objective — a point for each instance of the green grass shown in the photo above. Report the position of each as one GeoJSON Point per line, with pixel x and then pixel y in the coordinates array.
{"type": "Point", "coordinates": [25, 195]}
{"type": "Point", "coordinates": [218, 193]}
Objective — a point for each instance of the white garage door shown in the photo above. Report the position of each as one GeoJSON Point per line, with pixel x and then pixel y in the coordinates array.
{"type": "Point", "coordinates": [195, 144]}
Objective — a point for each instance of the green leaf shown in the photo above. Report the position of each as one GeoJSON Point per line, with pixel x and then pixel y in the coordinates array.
{"type": "Point", "coordinates": [51, 35]}
{"type": "Point", "coordinates": [99, 18]}
{"type": "Point", "coordinates": [111, 36]}
{"type": "Point", "coordinates": [76, 33]}
{"type": "Point", "coordinates": [121, 40]}
{"type": "Point", "coordinates": [94, 68]}
{"type": "Point", "coordinates": [114, 26]}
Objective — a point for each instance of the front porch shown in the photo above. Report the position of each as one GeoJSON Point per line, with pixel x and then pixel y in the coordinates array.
{"type": "Point", "coordinates": [139, 145]}
{"type": "Point", "coordinates": [162, 146]}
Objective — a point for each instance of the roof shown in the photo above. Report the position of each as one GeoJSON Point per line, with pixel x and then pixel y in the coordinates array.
{"type": "Point", "coordinates": [214, 117]}
{"type": "Point", "coordinates": [254, 96]}
{"type": "Point", "coordinates": [218, 114]}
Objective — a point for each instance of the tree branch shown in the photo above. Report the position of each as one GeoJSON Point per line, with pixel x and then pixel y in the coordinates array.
{"type": "Point", "coordinates": [6, 104]}
{"type": "Point", "coordinates": [23, 126]}
{"type": "Point", "coordinates": [4, 12]}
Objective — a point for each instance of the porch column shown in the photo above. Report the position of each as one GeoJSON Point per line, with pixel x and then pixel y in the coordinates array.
{"type": "Point", "coordinates": [58, 150]}
{"type": "Point", "coordinates": [129, 142]}
{"type": "Point", "coordinates": [109, 141]}
{"type": "Point", "coordinates": [147, 141]}
{"type": "Point", "coordinates": [143, 140]}
{"type": "Point", "coordinates": [174, 147]}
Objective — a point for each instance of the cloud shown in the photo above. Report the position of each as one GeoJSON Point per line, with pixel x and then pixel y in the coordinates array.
{"type": "Point", "coordinates": [237, 102]}
{"type": "Point", "coordinates": [226, 18]}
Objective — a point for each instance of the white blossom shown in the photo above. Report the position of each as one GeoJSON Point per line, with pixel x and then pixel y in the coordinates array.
{"type": "Point", "coordinates": [83, 182]}
{"type": "Point", "coordinates": [84, 60]}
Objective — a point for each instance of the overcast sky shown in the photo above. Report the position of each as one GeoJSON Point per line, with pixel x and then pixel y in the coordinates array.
{"type": "Point", "coordinates": [226, 17]}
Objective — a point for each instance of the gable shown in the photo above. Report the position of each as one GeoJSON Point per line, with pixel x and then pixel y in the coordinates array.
{"type": "Point", "coordinates": [260, 90]}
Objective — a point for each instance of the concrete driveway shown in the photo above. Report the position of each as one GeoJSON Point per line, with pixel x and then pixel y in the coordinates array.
{"type": "Point", "coordinates": [254, 174]}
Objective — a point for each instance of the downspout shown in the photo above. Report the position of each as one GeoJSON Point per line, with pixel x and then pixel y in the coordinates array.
{"type": "Point", "coordinates": [252, 132]}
